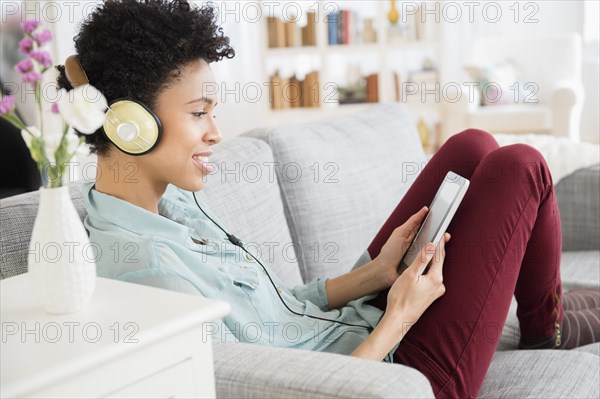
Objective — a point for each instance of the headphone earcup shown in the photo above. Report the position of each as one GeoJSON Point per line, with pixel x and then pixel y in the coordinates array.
{"type": "Point", "coordinates": [132, 127]}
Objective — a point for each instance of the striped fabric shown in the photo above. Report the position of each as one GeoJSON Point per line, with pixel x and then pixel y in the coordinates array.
{"type": "Point", "coordinates": [253, 371]}
{"type": "Point", "coordinates": [542, 374]}
{"type": "Point", "coordinates": [578, 197]}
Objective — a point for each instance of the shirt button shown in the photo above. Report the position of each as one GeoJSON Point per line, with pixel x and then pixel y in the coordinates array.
{"type": "Point", "coordinates": [202, 241]}
{"type": "Point", "coordinates": [279, 289]}
{"type": "Point", "coordinates": [249, 257]}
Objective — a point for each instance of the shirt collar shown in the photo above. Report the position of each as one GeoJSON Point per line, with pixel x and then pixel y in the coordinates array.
{"type": "Point", "coordinates": [169, 223]}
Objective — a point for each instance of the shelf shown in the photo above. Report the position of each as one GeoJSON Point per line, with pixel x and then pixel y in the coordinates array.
{"type": "Point", "coordinates": [387, 55]}
{"type": "Point", "coordinates": [412, 44]}
{"type": "Point", "coordinates": [351, 48]}
{"type": "Point", "coordinates": [291, 51]}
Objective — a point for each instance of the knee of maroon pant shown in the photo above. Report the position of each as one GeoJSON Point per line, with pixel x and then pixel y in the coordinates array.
{"type": "Point", "coordinates": [522, 162]}
{"type": "Point", "coordinates": [473, 138]}
{"type": "Point", "coordinates": [472, 145]}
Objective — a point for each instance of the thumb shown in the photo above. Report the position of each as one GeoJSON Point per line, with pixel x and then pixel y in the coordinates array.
{"type": "Point", "coordinates": [425, 255]}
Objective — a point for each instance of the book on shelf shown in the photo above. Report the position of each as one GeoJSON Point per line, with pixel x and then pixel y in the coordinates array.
{"type": "Point", "coordinates": [293, 34]}
{"type": "Point", "coordinates": [373, 88]}
{"type": "Point", "coordinates": [289, 34]}
{"type": "Point", "coordinates": [397, 86]}
{"type": "Point", "coordinates": [310, 90]}
{"type": "Point", "coordinates": [295, 93]}
{"type": "Point", "coordinates": [277, 32]}
{"type": "Point", "coordinates": [342, 27]}
{"type": "Point", "coordinates": [309, 32]}
{"type": "Point", "coordinates": [276, 95]}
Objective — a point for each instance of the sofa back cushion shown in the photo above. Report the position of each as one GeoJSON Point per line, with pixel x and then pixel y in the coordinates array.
{"type": "Point", "coordinates": [248, 207]}
{"type": "Point", "coordinates": [579, 206]}
{"type": "Point", "coordinates": [244, 194]}
{"type": "Point", "coordinates": [340, 179]}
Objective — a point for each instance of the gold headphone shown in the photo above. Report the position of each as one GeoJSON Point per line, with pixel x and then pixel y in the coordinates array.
{"type": "Point", "coordinates": [130, 125]}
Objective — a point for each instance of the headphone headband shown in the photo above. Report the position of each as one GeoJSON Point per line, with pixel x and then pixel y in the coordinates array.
{"type": "Point", "coordinates": [74, 71]}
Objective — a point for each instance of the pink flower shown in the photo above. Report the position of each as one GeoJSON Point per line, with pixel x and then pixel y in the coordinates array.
{"type": "Point", "coordinates": [30, 25]}
{"type": "Point", "coordinates": [32, 77]}
{"type": "Point", "coordinates": [7, 103]}
{"type": "Point", "coordinates": [43, 37]}
{"type": "Point", "coordinates": [25, 45]}
{"type": "Point", "coordinates": [43, 57]}
{"type": "Point", "coordinates": [24, 66]}
{"type": "Point", "coordinates": [54, 108]}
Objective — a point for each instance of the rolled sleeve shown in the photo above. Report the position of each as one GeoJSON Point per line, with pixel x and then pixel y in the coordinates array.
{"type": "Point", "coordinates": [314, 292]}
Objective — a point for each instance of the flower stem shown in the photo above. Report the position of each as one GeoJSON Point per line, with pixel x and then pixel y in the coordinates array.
{"type": "Point", "coordinates": [16, 122]}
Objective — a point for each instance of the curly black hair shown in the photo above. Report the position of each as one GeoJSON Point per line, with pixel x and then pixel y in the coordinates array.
{"type": "Point", "coordinates": [135, 48]}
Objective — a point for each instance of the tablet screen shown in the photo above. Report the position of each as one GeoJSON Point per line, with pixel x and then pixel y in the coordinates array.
{"type": "Point", "coordinates": [434, 221]}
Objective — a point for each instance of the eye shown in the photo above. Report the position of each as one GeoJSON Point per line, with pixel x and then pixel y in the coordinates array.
{"type": "Point", "coordinates": [199, 115]}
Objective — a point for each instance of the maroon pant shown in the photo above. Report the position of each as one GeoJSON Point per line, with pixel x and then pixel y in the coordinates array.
{"type": "Point", "coordinates": [506, 238]}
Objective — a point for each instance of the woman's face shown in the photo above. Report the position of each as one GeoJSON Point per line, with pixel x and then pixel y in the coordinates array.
{"type": "Point", "coordinates": [185, 110]}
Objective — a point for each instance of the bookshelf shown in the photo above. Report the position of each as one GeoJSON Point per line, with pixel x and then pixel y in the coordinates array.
{"type": "Point", "coordinates": [386, 55]}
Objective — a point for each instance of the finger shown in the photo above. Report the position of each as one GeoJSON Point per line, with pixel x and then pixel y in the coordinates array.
{"type": "Point", "coordinates": [425, 255]}
{"type": "Point", "coordinates": [413, 223]}
{"type": "Point", "coordinates": [436, 269]}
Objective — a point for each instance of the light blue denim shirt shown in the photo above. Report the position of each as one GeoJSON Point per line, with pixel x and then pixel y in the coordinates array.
{"type": "Point", "coordinates": [180, 249]}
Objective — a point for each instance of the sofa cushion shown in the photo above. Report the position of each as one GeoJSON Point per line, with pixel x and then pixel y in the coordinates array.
{"type": "Point", "coordinates": [243, 192]}
{"type": "Point", "coordinates": [580, 269]}
{"type": "Point", "coordinates": [542, 374]}
{"type": "Point", "coordinates": [340, 179]}
{"type": "Point", "coordinates": [579, 206]}
{"type": "Point", "coordinates": [591, 348]}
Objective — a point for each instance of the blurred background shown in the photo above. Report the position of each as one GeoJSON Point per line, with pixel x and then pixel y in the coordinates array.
{"type": "Point", "coordinates": [515, 67]}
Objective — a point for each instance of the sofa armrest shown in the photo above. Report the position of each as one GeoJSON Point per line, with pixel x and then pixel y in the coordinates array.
{"type": "Point", "coordinates": [567, 103]}
{"type": "Point", "coordinates": [579, 205]}
{"type": "Point", "coordinates": [245, 370]}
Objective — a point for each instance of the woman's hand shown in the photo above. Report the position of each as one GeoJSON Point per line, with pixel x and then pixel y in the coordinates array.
{"type": "Point", "coordinates": [393, 250]}
{"type": "Point", "coordinates": [413, 292]}
{"type": "Point", "coordinates": [410, 295]}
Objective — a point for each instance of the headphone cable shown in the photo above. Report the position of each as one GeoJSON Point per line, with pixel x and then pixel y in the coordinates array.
{"type": "Point", "coordinates": [237, 242]}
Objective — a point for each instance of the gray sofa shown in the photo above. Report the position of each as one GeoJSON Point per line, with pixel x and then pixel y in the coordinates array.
{"type": "Point", "coordinates": [311, 197]}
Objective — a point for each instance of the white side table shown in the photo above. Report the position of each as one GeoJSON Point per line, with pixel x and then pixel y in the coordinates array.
{"type": "Point", "coordinates": [129, 341]}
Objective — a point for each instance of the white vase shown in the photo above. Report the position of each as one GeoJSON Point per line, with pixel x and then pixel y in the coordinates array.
{"type": "Point", "coordinates": [61, 264]}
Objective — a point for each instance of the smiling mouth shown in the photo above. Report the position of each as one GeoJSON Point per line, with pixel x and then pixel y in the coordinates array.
{"type": "Point", "coordinates": [202, 162]}
{"type": "Point", "coordinates": [200, 158]}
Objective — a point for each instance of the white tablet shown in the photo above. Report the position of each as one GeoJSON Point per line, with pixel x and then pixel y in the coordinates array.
{"type": "Point", "coordinates": [440, 213]}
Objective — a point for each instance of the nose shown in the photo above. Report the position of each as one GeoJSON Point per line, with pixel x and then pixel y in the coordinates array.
{"type": "Point", "coordinates": [213, 135]}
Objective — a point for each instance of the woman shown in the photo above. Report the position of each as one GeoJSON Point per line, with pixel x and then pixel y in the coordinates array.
{"type": "Point", "coordinates": [151, 230]}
